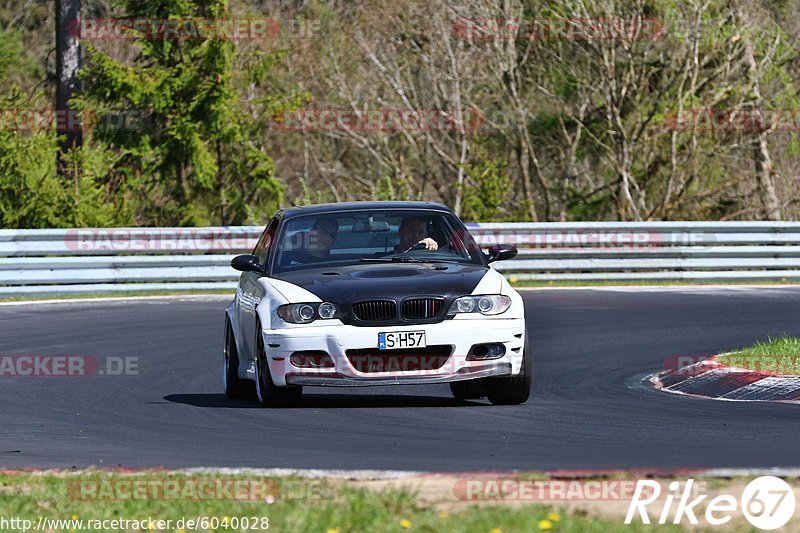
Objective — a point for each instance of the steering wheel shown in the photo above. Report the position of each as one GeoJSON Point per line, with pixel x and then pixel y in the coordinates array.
{"type": "Point", "coordinates": [418, 246]}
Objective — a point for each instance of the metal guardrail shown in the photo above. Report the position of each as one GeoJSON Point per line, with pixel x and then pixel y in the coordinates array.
{"type": "Point", "coordinates": [60, 261]}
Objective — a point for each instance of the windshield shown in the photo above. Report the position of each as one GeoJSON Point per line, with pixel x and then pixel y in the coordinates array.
{"type": "Point", "coordinates": [353, 237]}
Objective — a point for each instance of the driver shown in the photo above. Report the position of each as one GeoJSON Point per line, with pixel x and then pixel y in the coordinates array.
{"type": "Point", "coordinates": [413, 231]}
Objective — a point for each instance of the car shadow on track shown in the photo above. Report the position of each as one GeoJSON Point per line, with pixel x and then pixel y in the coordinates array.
{"type": "Point", "coordinates": [327, 401]}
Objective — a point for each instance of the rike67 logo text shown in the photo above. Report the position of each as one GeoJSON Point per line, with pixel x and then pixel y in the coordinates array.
{"type": "Point", "coordinates": [766, 502]}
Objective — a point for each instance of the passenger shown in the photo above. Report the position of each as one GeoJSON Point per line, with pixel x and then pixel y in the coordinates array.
{"type": "Point", "coordinates": [318, 243]}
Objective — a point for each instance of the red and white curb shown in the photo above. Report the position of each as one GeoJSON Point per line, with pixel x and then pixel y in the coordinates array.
{"type": "Point", "coordinates": [712, 379]}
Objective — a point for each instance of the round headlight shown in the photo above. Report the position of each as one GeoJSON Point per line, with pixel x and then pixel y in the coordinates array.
{"type": "Point", "coordinates": [306, 312]}
{"type": "Point", "coordinates": [465, 305]}
{"type": "Point", "coordinates": [326, 310]}
{"type": "Point", "coordinates": [485, 304]}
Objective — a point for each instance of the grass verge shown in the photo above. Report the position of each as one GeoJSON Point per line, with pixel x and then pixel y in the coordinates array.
{"type": "Point", "coordinates": [644, 283]}
{"type": "Point", "coordinates": [781, 356]}
{"type": "Point", "coordinates": [299, 504]}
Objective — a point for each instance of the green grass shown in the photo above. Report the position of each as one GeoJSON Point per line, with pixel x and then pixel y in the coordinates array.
{"type": "Point", "coordinates": [331, 507]}
{"type": "Point", "coordinates": [644, 282]}
{"type": "Point", "coordinates": [781, 355]}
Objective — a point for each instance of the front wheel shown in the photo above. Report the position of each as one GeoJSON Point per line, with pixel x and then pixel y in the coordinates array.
{"type": "Point", "coordinates": [269, 394]}
{"type": "Point", "coordinates": [513, 390]}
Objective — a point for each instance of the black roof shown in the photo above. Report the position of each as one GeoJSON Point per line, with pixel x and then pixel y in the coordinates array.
{"type": "Point", "coordinates": [350, 206]}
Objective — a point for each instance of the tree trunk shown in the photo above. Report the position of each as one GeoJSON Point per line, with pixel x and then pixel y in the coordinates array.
{"type": "Point", "coordinates": [761, 156]}
{"type": "Point", "coordinates": [68, 61]}
{"type": "Point", "coordinates": [527, 187]}
{"type": "Point", "coordinates": [766, 184]}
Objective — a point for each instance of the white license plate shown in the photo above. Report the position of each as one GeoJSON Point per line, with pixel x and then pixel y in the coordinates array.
{"type": "Point", "coordinates": [401, 339]}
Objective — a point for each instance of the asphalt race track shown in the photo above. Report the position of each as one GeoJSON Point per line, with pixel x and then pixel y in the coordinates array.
{"type": "Point", "coordinates": [589, 408]}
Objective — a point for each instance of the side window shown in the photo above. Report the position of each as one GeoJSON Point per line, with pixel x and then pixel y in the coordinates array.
{"type": "Point", "coordinates": [264, 244]}
{"type": "Point", "coordinates": [260, 244]}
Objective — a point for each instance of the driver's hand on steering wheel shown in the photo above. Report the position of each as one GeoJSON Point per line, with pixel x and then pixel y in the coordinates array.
{"type": "Point", "coordinates": [429, 243]}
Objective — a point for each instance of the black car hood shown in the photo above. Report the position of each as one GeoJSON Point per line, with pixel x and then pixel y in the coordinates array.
{"type": "Point", "coordinates": [387, 280]}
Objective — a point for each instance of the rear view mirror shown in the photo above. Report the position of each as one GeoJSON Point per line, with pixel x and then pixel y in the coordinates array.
{"type": "Point", "coordinates": [370, 225]}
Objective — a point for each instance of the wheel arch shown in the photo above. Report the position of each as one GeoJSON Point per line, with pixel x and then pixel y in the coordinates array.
{"type": "Point", "coordinates": [232, 321]}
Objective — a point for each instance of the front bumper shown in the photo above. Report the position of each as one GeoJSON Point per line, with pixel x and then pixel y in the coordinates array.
{"type": "Point", "coordinates": [336, 339]}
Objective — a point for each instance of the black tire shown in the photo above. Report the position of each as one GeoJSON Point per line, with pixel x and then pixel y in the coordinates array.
{"type": "Point", "coordinates": [513, 390]}
{"type": "Point", "coordinates": [269, 394]}
{"type": "Point", "coordinates": [235, 387]}
{"type": "Point", "coordinates": [471, 389]}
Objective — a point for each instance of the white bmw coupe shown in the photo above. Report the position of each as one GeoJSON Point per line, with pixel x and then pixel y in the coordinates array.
{"type": "Point", "coordinates": [374, 293]}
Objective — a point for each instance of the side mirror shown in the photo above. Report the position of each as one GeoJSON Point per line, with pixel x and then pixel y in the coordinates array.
{"type": "Point", "coordinates": [247, 263]}
{"type": "Point", "coordinates": [501, 252]}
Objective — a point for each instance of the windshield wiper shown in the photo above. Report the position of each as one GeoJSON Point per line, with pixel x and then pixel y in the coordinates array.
{"type": "Point", "coordinates": [392, 259]}
{"type": "Point", "coordinates": [400, 258]}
